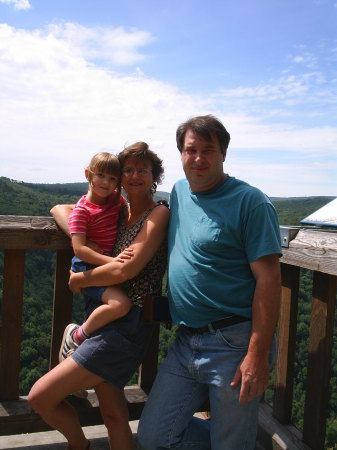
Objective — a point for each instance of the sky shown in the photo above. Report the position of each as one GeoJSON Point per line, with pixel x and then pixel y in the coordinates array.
{"type": "Point", "coordinates": [82, 76]}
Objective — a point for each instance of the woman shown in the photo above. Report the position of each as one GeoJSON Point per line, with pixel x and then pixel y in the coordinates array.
{"type": "Point", "coordinates": [108, 358]}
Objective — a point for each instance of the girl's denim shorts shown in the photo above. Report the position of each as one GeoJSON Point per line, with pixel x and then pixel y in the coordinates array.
{"type": "Point", "coordinates": [94, 292]}
{"type": "Point", "coordinates": [115, 351]}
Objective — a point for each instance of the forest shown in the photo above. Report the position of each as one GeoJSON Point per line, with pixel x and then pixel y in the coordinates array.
{"type": "Point", "coordinates": [18, 198]}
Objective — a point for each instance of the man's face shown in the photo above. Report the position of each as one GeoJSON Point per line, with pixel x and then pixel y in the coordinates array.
{"type": "Point", "coordinates": [202, 162]}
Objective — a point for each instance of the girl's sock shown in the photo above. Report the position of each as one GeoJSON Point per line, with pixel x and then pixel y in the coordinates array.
{"type": "Point", "coordinates": [80, 335]}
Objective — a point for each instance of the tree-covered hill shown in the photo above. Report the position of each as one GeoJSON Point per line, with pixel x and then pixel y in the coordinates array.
{"type": "Point", "coordinates": [28, 199]}
{"type": "Point", "coordinates": [292, 210]}
{"type": "Point", "coordinates": [24, 199]}
{"type": "Point", "coordinates": [17, 198]}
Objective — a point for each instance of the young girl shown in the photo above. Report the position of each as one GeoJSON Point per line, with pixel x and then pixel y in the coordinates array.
{"type": "Point", "coordinates": [95, 218]}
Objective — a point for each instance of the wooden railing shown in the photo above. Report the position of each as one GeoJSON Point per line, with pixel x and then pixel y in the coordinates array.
{"type": "Point", "coordinates": [313, 250]}
{"type": "Point", "coordinates": [18, 234]}
{"type": "Point", "coordinates": [317, 251]}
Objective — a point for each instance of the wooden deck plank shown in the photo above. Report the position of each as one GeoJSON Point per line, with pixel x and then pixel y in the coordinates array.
{"type": "Point", "coordinates": [53, 440]}
{"type": "Point", "coordinates": [17, 417]}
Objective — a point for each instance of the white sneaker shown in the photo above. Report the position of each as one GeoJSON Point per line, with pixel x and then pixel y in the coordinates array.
{"type": "Point", "coordinates": [68, 346]}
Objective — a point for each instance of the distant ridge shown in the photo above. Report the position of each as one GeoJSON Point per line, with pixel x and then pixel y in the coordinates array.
{"type": "Point", "coordinates": [65, 188]}
{"type": "Point", "coordinates": [36, 199]}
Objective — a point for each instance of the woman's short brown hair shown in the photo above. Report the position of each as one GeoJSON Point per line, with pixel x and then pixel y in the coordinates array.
{"type": "Point", "coordinates": [141, 152]}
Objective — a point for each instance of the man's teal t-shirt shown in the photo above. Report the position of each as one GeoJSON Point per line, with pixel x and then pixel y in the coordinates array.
{"type": "Point", "coordinates": [213, 237]}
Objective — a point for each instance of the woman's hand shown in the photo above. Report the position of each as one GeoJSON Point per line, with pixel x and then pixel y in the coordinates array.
{"type": "Point", "coordinates": [127, 253]}
{"type": "Point", "coordinates": [75, 282]}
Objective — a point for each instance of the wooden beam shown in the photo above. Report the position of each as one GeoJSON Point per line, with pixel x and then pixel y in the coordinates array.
{"type": "Point", "coordinates": [62, 303]}
{"type": "Point", "coordinates": [273, 436]}
{"type": "Point", "coordinates": [148, 369]}
{"type": "Point", "coordinates": [14, 269]}
{"type": "Point", "coordinates": [313, 250]}
{"type": "Point", "coordinates": [319, 360]}
{"type": "Point", "coordinates": [17, 417]}
{"type": "Point", "coordinates": [286, 344]}
{"type": "Point", "coordinates": [31, 232]}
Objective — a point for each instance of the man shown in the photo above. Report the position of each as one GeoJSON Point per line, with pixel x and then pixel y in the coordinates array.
{"type": "Point", "coordinates": [224, 290]}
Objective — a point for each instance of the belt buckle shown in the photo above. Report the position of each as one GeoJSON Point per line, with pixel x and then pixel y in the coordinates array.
{"type": "Point", "coordinates": [210, 327]}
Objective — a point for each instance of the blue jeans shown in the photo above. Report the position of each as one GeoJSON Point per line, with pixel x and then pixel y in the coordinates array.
{"type": "Point", "coordinates": [197, 367]}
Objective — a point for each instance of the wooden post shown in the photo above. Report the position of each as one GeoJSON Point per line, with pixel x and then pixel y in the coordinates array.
{"type": "Point", "coordinates": [286, 344]}
{"type": "Point", "coordinates": [148, 369]}
{"type": "Point", "coordinates": [14, 268]}
{"type": "Point", "coordinates": [62, 303]}
{"type": "Point", "coordinates": [319, 361]}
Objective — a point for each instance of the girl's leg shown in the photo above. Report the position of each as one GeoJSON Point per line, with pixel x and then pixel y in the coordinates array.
{"type": "Point", "coordinates": [116, 304]}
{"type": "Point", "coordinates": [115, 414]}
{"type": "Point", "coordinates": [47, 398]}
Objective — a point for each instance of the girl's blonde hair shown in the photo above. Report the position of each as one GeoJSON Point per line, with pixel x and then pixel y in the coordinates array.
{"type": "Point", "coordinates": [106, 163]}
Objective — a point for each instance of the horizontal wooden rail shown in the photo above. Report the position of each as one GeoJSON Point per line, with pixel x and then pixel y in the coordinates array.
{"type": "Point", "coordinates": [25, 232]}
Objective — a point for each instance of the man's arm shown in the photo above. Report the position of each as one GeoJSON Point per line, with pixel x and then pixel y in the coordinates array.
{"type": "Point", "coordinates": [253, 372]}
{"type": "Point", "coordinates": [144, 247]}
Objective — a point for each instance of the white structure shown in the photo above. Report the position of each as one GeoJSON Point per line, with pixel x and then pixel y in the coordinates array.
{"type": "Point", "coordinates": [325, 216]}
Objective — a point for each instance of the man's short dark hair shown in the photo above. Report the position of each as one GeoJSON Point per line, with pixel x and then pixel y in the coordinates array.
{"type": "Point", "coordinates": [205, 127]}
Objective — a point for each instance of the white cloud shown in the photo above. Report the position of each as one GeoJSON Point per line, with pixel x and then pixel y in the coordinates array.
{"type": "Point", "coordinates": [57, 108]}
{"type": "Point", "coordinates": [307, 59]}
{"type": "Point", "coordinates": [18, 4]}
{"type": "Point", "coordinates": [296, 98]}
{"type": "Point", "coordinates": [117, 46]}
{"type": "Point", "coordinates": [281, 89]}
{"type": "Point", "coordinates": [284, 179]}
{"type": "Point", "coordinates": [298, 59]}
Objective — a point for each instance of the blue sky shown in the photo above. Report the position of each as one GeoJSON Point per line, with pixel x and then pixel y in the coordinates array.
{"type": "Point", "coordinates": [82, 76]}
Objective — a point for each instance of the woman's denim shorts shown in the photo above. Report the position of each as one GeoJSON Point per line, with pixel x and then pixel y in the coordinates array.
{"type": "Point", "coordinates": [115, 351]}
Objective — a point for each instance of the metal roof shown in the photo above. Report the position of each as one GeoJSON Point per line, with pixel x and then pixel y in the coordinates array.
{"type": "Point", "coordinates": [325, 216]}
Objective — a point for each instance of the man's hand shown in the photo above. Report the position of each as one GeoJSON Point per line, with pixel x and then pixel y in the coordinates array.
{"type": "Point", "coordinates": [253, 372]}
{"type": "Point", "coordinates": [74, 282]}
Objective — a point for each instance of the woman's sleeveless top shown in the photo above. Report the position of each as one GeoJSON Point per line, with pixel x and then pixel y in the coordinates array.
{"type": "Point", "coordinates": [149, 280]}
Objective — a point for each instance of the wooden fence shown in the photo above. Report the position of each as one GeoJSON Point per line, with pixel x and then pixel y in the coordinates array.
{"type": "Point", "coordinates": [311, 249]}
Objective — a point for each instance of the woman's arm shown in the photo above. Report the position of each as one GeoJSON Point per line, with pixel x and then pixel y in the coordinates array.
{"type": "Point", "coordinates": [61, 215]}
{"type": "Point", "coordinates": [144, 247]}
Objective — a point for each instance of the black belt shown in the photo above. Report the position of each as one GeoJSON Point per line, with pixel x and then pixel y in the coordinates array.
{"type": "Point", "coordinates": [222, 323]}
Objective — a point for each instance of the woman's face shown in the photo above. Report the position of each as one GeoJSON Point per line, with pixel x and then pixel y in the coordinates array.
{"type": "Point", "coordinates": [137, 176]}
